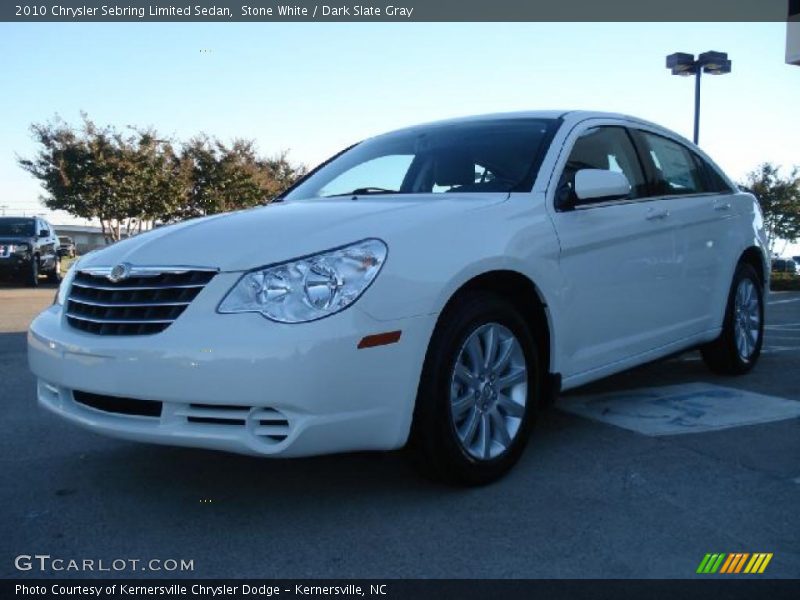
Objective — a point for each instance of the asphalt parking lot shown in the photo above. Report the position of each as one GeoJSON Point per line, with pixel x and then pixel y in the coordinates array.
{"type": "Point", "coordinates": [588, 499]}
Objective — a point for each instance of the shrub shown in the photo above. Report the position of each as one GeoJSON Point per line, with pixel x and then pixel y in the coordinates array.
{"type": "Point", "coordinates": [785, 282]}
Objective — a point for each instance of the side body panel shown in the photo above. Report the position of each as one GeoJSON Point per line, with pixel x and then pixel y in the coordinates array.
{"type": "Point", "coordinates": [635, 289]}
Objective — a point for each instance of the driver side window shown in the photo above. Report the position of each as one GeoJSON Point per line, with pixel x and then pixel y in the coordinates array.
{"type": "Point", "coordinates": [382, 173]}
{"type": "Point", "coordinates": [608, 148]}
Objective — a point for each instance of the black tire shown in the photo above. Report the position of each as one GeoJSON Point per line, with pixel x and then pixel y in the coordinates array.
{"type": "Point", "coordinates": [723, 355]}
{"type": "Point", "coordinates": [55, 275]}
{"type": "Point", "coordinates": [434, 445]}
{"type": "Point", "coordinates": [32, 274]}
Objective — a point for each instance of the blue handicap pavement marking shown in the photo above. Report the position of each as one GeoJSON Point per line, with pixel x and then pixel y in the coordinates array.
{"type": "Point", "coordinates": [680, 409]}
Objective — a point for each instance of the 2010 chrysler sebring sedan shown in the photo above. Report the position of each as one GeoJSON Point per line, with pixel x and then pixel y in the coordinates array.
{"type": "Point", "coordinates": [430, 287]}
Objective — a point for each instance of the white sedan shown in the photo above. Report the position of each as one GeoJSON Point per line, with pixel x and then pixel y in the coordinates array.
{"type": "Point", "coordinates": [431, 287]}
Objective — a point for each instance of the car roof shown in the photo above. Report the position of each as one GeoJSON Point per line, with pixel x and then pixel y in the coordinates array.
{"type": "Point", "coordinates": [568, 116]}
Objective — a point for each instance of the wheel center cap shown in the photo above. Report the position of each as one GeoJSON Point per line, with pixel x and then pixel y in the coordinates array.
{"type": "Point", "coordinates": [488, 395]}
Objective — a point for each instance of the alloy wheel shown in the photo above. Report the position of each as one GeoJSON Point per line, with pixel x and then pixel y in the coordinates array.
{"type": "Point", "coordinates": [488, 391]}
{"type": "Point", "coordinates": [746, 318]}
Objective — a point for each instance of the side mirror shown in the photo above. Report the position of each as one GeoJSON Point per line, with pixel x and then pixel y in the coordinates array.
{"type": "Point", "coordinates": [599, 184]}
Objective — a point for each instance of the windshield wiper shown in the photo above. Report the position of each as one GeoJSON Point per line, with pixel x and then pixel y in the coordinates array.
{"type": "Point", "coordinates": [365, 191]}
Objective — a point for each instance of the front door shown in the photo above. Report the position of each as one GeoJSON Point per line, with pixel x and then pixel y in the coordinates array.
{"type": "Point", "coordinates": [618, 259]}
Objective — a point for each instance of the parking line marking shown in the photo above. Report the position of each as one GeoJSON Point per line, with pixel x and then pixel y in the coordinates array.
{"type": "Point", "coordinates": [787, 301]}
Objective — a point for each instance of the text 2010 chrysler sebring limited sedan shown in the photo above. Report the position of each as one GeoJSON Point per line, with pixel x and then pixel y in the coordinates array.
{"type": "Point", "coordinates": [430, 287]}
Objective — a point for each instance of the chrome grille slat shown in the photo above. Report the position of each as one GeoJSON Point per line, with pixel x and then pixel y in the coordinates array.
{"type": "Point", "coordinates": [145, 302]}
{"type": "Point", "coordinates": [138, 287]}
{"type": "Point", "coordinates": [124, 305]}
{"type": "Point", "coordinates": [116, 321]}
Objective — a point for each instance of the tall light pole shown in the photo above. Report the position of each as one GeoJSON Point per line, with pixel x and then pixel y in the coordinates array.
{"type": "Point", "coordinates": [684, 64]}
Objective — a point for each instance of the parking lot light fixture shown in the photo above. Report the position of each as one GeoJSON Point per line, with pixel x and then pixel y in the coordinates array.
{"type": "Point", "coordinates": [685, 64]}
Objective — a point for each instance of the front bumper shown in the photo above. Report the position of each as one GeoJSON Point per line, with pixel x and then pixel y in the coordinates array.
{"type": "Point", "coordinates": [14, 264]}
{"type": "Point", "coordinates": [239, 383]}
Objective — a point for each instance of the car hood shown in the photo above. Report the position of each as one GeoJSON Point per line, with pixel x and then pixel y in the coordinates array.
{"type": "Point", "coordinates": [281, 231]}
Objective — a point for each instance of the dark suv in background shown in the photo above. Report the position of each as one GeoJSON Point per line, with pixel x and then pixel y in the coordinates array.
{"type": "Point", "coordinates": [29, 248]}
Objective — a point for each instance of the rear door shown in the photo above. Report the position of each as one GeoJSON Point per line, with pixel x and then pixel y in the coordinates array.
{"type": "Point", "coordinates": [617, 257]}
{"type": "Point", "coordinates": [700, 204]}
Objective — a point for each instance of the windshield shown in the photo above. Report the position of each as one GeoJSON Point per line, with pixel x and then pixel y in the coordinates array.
{"type": "Point", "coordinates": [501, 155]}
{"type": "Point", "coordinates": [16, 227]}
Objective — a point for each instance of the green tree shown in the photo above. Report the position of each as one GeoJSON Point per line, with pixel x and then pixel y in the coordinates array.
{"type": "Point", "coordinates": [779, 198]}
{"type": "Point", "coordinates": [223, 178]}
{"type": "Point", "coordinates": [101, 173]}
{"type": "Point", "coordinates": [133, 179]}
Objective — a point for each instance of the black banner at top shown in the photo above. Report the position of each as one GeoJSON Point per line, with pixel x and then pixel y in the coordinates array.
{"type": "Point", "coordinates": [391, 10]}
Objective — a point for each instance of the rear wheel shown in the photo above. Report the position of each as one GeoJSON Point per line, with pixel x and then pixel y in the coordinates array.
{"type": "Point", "coordinates": [478, 392]}
{"type": "Point", "coordinates": [738, 348]}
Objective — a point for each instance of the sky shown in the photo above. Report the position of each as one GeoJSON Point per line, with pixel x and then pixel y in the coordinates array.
{"type": "Point", "coordinates": [314, 88]}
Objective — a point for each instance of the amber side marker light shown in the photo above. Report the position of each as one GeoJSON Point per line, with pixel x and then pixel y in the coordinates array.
{"type": "Point", "coordinates": [379, 339]}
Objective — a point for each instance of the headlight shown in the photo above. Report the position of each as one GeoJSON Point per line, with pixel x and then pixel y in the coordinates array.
{"type": "Point", "coordinates": [308, 288]}
{"type": "Point", "coordinates": [66, 282]}
{"type": "Point", "coordinates": [18, 248]}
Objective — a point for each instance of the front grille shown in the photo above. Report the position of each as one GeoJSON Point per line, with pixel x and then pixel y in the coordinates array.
{"type": "Point", "coordinates": [137, 305]}
{"type": "Point", "coordinates": [117, 405]}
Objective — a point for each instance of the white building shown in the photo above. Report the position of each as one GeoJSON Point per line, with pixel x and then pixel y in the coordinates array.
{"type": "Point", "coordinates": [85, 237]}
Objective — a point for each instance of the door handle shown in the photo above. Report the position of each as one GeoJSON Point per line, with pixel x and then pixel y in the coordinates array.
{"type": "Point", "coordinates": [722, 206]}
{"type": "Point", "coordinates": [654, 214]}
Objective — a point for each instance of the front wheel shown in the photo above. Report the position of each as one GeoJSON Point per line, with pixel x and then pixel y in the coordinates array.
{"type": "Point", "coordinates": [31, 278]}
{"type": "Point", "coordinates": [738, 347]}
{"type": "Point", "coordinates": [478, 392]}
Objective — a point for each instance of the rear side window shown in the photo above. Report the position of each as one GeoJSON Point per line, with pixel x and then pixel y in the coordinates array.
{"type": "Point", "coordinates": [713, 180]}
{"type": "Point", "coordinates": [607, 148]}
{"type": "Point", "coordinates": [676, 171]}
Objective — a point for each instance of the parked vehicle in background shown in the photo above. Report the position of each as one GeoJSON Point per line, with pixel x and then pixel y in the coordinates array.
{"type": "Point", "coordinates": [29, 248]}
{"type": "Point", "coordinates": [431, 287]}
{"type": "Point", "coordinates": [784, 265]}
{"type": "Point", "coordinates": [67, 246]}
